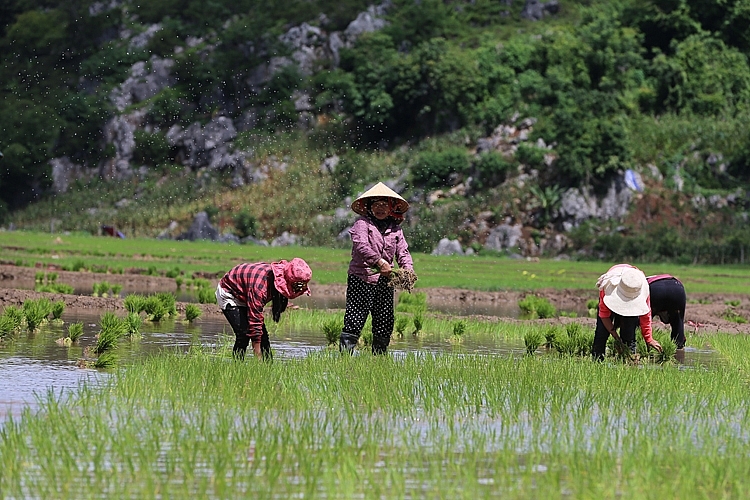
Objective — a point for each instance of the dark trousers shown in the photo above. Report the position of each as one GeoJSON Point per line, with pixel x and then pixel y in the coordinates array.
{"type": "Point", "coordinates": [626, 325]}
{"type": "Point", "coordinates": [668, 302]}
{"type": "Point", "coordinates": [363, 299]}
{"type": "Point", "coordinates": [237, 317]}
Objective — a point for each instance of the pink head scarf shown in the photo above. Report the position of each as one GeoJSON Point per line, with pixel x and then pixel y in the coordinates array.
{"type": "Point", "coordinates": [285, 274]}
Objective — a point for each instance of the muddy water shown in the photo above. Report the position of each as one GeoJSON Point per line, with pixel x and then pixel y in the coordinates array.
{"type": "Point", "coordinates": [33, 364]}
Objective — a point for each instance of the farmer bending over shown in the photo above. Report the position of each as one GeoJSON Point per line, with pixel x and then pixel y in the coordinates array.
{"type": "Point", "coordinates": [624, 304]}
{"type": "Point", "coordinates": [668, 302]}
{"type": "Point", "coordinates": [377, 239]}
{"type": "Point", "coordinates": [247, 288]}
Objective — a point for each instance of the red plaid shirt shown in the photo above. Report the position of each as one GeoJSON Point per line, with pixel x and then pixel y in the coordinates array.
{"type": "Point", "coordinates": [251, 286]}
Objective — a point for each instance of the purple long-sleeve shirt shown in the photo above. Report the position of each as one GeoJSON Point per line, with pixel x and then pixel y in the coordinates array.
{"type": "Point", "coordinates": [369, 245]}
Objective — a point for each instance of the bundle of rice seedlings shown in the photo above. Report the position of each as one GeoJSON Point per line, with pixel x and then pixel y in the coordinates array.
{"type": "Point", "coordinates": [57, 309]}
{"type": "Point", "coordinates": [533, 340]}
{"type": "Point", "coordinates": [75, 330]}
{"type": "Point", "coordinates": [418, 323]}
{"type": "Point", "coordinates": [206, 296]}
{"type": "Point", "coordinates": [112, 329]}
{"type": "Point", "coordinates": [133, 324]}
{"type": "Point", "coordinates": [107, 359]}
{"type": "Point", "coordinates": [7, 326]}
{"type": "Point", "coordinates": [550, 335]}
{"type": "Point", "coordinates": [134, 303]}
{"type": "Point", "coordinates": [169, 301]}
{"type": "Point", "coordinates": [36, 312]}
{"type": "Point", "coordinates": [332, 330]}
{"type": "Point", "coordinates": [401, 323]}
{"type": "Point", "coordinates": [192, 312]}
{"type": "Point", "coordinates": [154, 308]}
{"type": "Point", "coordinates": [116, 289]}
{"type": "Point", "coordinates": [15, 316]}
{"type": "Point", "coordinates": [402, 279]}
{"type": "Point", "coordinates": [537, 307]}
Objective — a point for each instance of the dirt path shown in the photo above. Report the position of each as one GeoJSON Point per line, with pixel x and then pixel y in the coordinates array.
{"type": "Point", "coordinates": [704, 311]}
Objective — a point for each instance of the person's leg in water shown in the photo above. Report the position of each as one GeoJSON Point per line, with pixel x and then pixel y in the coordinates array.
{"type": "Point", "coordinates": [265, 346]}
{"type": "Point", "coordinates": [382, 317]}
{"type": "Point", "coordinates": [359, 299]}
{"type": "Point", "coordinates": [599, 346]}
{"type": "Point", "coordinates": [237, 318]}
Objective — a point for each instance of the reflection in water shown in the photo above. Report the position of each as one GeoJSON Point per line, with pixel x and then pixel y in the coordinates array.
{"type": "Point", "coordinates": [32, 364]}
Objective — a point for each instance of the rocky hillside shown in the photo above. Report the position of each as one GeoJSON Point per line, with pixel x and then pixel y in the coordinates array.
{"type": "Point", "coordinates": [612, 130]}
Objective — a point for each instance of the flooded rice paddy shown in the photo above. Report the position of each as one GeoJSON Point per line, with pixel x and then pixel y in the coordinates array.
{"type": "Point", "coordinates": [32, 364]}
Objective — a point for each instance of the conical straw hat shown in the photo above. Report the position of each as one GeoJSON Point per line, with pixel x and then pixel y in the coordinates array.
{"type": "Point", "coordinates": [380, 190]}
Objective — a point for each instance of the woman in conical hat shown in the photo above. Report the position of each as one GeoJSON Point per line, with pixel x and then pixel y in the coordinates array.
{"type": "Point", "coordinates": [377, 243]}
{"type": "Point", "coordinates": [623, 303]}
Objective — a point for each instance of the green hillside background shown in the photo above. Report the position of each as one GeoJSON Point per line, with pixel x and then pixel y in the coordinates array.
{"type": "Point", "coordinates": [661, 88]}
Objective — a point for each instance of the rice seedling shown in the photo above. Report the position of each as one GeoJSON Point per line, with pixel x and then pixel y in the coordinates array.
{"type": "Point", "coordinates": [112, 329]}
{"type": "Point", "coordinates": [537, 307]}
{"type": "Point", "coordinates": [402, 279]}
{"type": "Point", "coordinates": [58, 308]}
{"type": "Point", "coordinates": [192, 312]}
{"type": "Point", "coordinates": [550, 335]}
{"type": "Point", "coordinates": [133, 322]}
{"type": "Point", "coordinates": [206, 296]}
{"type": "Point", "coordinates": [418, 321]}
{"type": "Point", "coordinates": [173, 273]}
{"type": "Point", "coordinates": [100, 289]}
{"type": "Point", "coordinates": [7, 326]}
{"type": "Point", "coordinates": [116, 289]}
{"type": "Point", "coordinates": [733, 303]}
{"type": "Point", "coordinates": [730, 314]}
{"type": "Point", "coordinates": [134, 303]}
{"type": "Point", "coordinates": [178, 281]}
{"type": "Point", "coordinates": [332, 329]}
{"type": "Point", "coordinates": [592, 306]}
{"type": "Point", "coordinates": [459, 328]}
{"type": "Point", "coordinates": [168, 300]}
{"type": "Point", "coordinates": [75, 330]}
{"type": "Point", "coordinates": [365, 339]}
{"type": "Point", "coordinates": [55, 288]}
{"type": "Point", "coordinates": [39, 277]}
{"type": "Point", "coordinates": [36, 312]}
{"type": "Point", "coordinates": [412, 302]}
{"type": "Point", "coordinates": [533, 340]}
{"type": "Point", "coordinates": [400, 325]}
{"type": "Point", "coordinates": [51, 278]}
{"type": "Point", "coordinates": [15, 316]}
{"type": "Point", "coordinates": [107, 359]}
{"type": "Point", "coordinates": [154, 308]}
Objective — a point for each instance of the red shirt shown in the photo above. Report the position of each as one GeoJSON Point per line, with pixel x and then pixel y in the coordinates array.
{"type": "Point", "coordinates": [251, 286]}
{"type": "Point", "coordinates": [644, 320]}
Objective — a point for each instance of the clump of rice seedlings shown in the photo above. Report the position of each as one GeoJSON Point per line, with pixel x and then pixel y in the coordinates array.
{"type": "Point", "coordinates": [107, 359]}
{"type": "Point", "coordinates": [731, 315]}
{"type": "Point", "coordinates": [173, 273]}
{"type": "Point", "coordinates": [75, 330]}
{"type": "Point", "coordinates": [36, 312]}
{"type": "Point", "coordinates": [733, 303]}
{"type": "Point", "coordinates": [116, 289]}
{"type": "Point", "coordinates": [400, 325]}
{"type": "Point", "coordinates": [134, 303]}
{"type": "Point", "coordinates": [402, 279]}
{"type": "Point", "coordinates": [154, 308]}
{"type": "Point", "coordinates": [592, 305]}
{"type": "Point", "coordinates": [459, 328]}
{"type": "Point", "coordinates": [550, 335]}
{"type": "Point", "coordinates": [51, 277]}
{"type": "Point", "coordinates": [192, 312]}
{"type": "Point", "coordinates": [39, 277]}
{"type": "Point", "coordinates": [112, 329]}
{"type": "Point", "coordinates": [57, 309]}
{"type": "Point", "coordinates": [178, 281]}
{"type": "Point", "coordinates": [618, 349]}
{"type": "Point", "coordinates": [537, 307]}
{"type": "Point", "coordinates": [169, 301]}
{"type": "Point", "coordinates": [7, 326]}
{"type": "Point", "coordinates": [418, 323]}
{"type": "Point", "coordinates": [206, 296]}
{"type": "Point", "coordinates": [200, 283]}
{"type": "Point", "coordinates": [667, 354]}
{"type": "Point", "coordinates": [533, 340]}
{"type": "Point", "coordinates": [15, 315]}
{"type": "Point", "coordinates": [55, 288]}
{"type": "Point", "coordinates": [332, 330]}
{"type": "Point", "coordinates": [412, 302]}
{"type": "Point", "coordinates": [100, 289]}
{"type": "Point", "coordinates": [133, 322]}
{"type": "Point", "coordinates": [366, 338]}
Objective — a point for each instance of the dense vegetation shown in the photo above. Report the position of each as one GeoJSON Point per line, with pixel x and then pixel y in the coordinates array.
{"type": "Point", "coordinates": [611, 85]}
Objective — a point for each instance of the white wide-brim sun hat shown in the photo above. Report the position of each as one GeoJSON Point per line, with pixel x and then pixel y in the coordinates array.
{"type": "Point", "coordinates": [380, 190]}
{"type": "Point", "coordinates": [625, 291]}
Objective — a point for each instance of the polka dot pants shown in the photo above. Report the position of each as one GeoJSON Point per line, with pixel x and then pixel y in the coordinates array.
{"type": "Point", "coordinates": [363, 299]}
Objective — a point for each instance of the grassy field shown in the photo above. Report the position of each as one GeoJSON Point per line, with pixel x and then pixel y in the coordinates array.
{"type": "Point", "coordinates": [330, 265]}
{"type": "Point", "coordinates": [441, 426]}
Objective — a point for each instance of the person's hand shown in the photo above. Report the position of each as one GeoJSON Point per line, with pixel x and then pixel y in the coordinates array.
{"type": "Point", "coordinates": [385, 267]}
{"type": "Point", "coordinates": [654, 344]}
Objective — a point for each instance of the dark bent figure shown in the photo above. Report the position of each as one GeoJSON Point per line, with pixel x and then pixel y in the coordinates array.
{"type": "Point", "coordinates": [668, 302]}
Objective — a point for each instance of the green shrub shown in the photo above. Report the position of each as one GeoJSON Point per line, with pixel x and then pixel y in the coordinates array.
{"type": "Point", "coordinates": [491, 169]}
{"type": "Point", "coordinates": [245, 223]}
{"type": "Point", "coordinates": [433, 169]}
